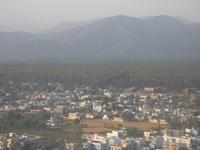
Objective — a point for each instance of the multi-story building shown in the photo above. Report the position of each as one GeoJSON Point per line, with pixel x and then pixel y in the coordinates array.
{"type": "Point", "coordinates": [97, 107]}
{"type": "Point", "coordinates": [171, 145]}
{"type": "Point", "coordinates": [61, 109]}
{"type": "Point", "coordinates": [117, 134]}
{"type": "Point", "coordinates": [94, 145]}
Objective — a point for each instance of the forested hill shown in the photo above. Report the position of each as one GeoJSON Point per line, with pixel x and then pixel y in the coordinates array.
{"type": "Point", "coordinates": [176, 73]}
{"type": "Point", "coordinates": [113, 37]}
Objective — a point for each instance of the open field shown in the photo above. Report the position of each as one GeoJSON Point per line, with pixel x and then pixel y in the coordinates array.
{"type": "Point", "coordinates": [93, 125]}
{"type": "Point", "coordinates": [97, 125]}
{"type": "Point", "coordinates": [98, 96]}
{"type": "Point", "coordinates": [51, 132]}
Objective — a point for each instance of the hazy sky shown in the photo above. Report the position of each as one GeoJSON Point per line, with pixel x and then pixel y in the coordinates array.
{"type": "Point", "coordinates": [55, 11]}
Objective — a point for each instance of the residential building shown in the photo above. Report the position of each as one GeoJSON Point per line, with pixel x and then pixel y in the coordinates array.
{"type": "Point", "coordinates": [93, 145]}
{"type": "Point", "coordinates": [72, 146]}
{"type": "Point", "coordinates": [117, 134]}
{"type": "Point", "coordinates": [172, 145]}
{"type": "Point", "coordinates": [74, 116]}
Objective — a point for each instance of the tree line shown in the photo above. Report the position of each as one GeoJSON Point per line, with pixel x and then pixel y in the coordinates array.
{"type": "Point", "coordinates": [171, 73]}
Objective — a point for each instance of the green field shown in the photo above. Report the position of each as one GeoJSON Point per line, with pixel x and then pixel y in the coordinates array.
{"type": "Point", "coordinates": [50, 132]}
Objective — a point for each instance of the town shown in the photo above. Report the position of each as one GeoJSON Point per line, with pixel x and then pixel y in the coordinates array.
{"type": "Point", "coordinates": [48, 116]}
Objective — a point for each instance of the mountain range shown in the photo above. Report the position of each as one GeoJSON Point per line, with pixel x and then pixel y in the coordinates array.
{"type": "Point", "coordinates": [30, 27]}
{"type": "Point", "coordinates": [112, 37]}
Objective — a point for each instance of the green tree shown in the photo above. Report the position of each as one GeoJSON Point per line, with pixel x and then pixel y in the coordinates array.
{"type": "Point", "coordinates": [41, 125]}
{"type": "Point", "coordinates": [167, 118]}
{"type": "Point", "coordinates": [10, 115]}
{"type": "Point", "coordinates": [57, 120]}
{"type": "Point", "coordinates": [18, 116]}
{"type": "Point", "coordinates": [35, 123]}
{"type": "Point", "coordinates": [76, 121]}
{"type": "Point", "coordinates": [78, 130]}
{"type": "Point", "coordinates": [119, 125]}
{"type": "Point", "coordinates": [25, 147]}
{"type": "Point", "coordinates": [32, 116]}
{"type": "Point", "coordinates": [26, 124]}
{"type": "Point", "coordinates": [2, 94]}
{"type": "Point", "coordinates": [12, 96]}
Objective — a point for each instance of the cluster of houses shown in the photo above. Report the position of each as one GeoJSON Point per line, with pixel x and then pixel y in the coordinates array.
{"type": "Point", "coordinates": [168, 139]}
{"type": "Point", "coordinates": [12, 140]}
{"type": "Point", "coordinates": [152, 104]}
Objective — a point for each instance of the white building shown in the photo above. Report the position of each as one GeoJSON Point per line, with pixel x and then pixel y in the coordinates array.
{"type": "Point", "coordinates": [99, 137]}
{"type": "Point", "coordinates": [117, 134]}
{"type": "Point", "coordinates": [172, 145]}
{"type": "Point", "coordinates": [98, 145]}
{"type": "Point", "coordinates": [97, 107]}
{"type": "Point", "coordinates": [141, 143]}
{"type": "Point", "coordinates": [157, 142]}
{"type": "Point", "coordinates": [86, 104]}
{"type": "Point", "coordinates": [114, 141]}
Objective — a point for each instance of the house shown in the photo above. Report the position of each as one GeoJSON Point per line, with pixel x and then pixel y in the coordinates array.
{"type": "Point", "coordinates": [26, 108]}
{"type": "Point", "coordinates": [167, 131]}
{"type": "Point", "coordinates": [62, 109]}
{"type": "Point", "coordinates": [114, 141]}
{"type": "Point", "coordinates": [86, 104]}
{"type": "Point", "coordinates": [117, 134]}
{"type": "Point", "coordinates": [149, 89]}
{"type": "Point", "coordinates": [172, 145]}
{"type": "Point", "coordinates": [72, 146]}
{"type": "Point", "coordinates": [119, 119]}
{"type": "Point", "coordinates": [99, 137]}
{"type": "Point", "coordinates": [125, 130]}
{"type": "Point", "coordinates": [89, 116]}
{"type": "Point", "coordinates": [97, 107]}
{"type": "Point", "coordinates": [74, 116]}
{"type": "Point", "coordinates": [107, 114]}
{"type": "Point", "coordinates": [12, 140]}
{"type": "Point", "coordinates": [111, 104]}
{"type": "Point", "coordinates": [109, 94]}
{"type": "Point", "coordinates": [195, 132]}
{"type": "Point", "coordinates": [162, 121]}
{"type": "Point", "coordinates": [148, 134]}
{"type": "Point", "coordinates": [157, 142]}
{"type": "Point", "coordinates": [55, 122]}
{"type": "Point", "coordinates": [140, 143]}
{"type": "Point", "coordinates": [124, 146]}
{"type": "Point", "coordinates": [131, 142]}
{"type": "Point", "coordinates": [95, 145]}
{"type": "Point", "coordinates": [178, 133]}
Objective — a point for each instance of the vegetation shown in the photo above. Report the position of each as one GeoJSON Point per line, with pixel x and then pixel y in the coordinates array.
{"type": "Point", "coordinates": [173, 73]}
{"type": "Point", "coordinates": [76, 121]}
{"type": "Point", "coordinates": [78, 130]}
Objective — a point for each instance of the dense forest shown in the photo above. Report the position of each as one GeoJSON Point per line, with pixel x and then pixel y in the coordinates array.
{"type": "Point", "coordinates": [173, 73]}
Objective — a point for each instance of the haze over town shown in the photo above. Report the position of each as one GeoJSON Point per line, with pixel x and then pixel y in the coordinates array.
{"type": "Point", "coordinates": [53, 12]}
{"type": "Point", "coordinates": [100, 74]}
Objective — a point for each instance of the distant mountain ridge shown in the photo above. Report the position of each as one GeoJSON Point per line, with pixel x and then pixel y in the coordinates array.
{"type": "Point", "coordinates": [118, 36]}
{"type": "Point", "coordinates": [29, 27]}
{"type": "Point", "coordinates": [63, 26]}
